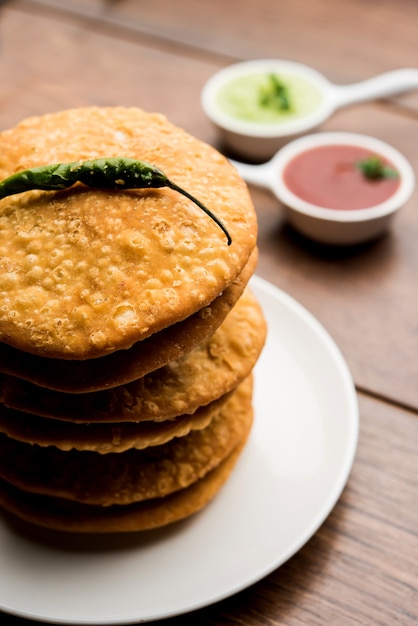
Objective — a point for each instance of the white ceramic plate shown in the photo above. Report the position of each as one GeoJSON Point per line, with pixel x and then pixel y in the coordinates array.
{"type": "Point", "coordinates": [287, 480]}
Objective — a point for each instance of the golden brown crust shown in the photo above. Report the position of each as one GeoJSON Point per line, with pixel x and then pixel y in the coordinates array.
{"type": "Point", "coordinates": [116, 332]}
{"type": "Point", "coordinates": [134, 475]}
{"type": "Point", "coordinates": [211, 369]}
{"type": "Point", "coordinates": [103, 438]}
{"type": "Point", "coordinates": [125, 366]}
{"type": "Point", "coordinates": [84, 273]}
{"type": "Point", "coordinates": [68, 516]}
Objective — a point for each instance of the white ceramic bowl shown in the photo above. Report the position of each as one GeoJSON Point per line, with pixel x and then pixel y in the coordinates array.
{"type": "Point", "coordinates": [260, 141]}
{"type": "Point", "coordinates": [332, 226]}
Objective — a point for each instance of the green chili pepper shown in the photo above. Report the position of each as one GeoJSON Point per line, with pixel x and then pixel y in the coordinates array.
{"type": "Point", "coordinates": [112, 173]}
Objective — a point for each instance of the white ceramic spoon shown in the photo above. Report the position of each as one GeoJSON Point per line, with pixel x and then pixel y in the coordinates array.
{"type": "Point", "coordinates": [260, 141]}
{"type": "Point", "coordinates": [323, 224]}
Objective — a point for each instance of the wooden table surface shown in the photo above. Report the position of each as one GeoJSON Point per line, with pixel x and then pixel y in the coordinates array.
{"type": "Point", "coordinates": [361, 566]}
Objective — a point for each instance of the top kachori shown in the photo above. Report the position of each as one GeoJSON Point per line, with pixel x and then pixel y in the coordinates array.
{"type": "Point", "coordinates": [86, 272]}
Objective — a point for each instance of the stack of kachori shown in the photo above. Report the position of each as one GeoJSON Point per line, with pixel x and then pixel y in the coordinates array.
{"type": "Point", "coordinates": [128, 331]}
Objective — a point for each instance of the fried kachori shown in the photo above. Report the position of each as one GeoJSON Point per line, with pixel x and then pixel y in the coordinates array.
{"type": "Point", "coordinates": [128, 332]}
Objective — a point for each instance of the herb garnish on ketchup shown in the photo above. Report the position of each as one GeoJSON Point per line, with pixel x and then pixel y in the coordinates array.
{"type": "Point", "coordinates": [341, 177]}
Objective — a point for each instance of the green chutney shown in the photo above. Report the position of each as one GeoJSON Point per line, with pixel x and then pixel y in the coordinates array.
{"type": "Point", "coordinates": [243, 98]}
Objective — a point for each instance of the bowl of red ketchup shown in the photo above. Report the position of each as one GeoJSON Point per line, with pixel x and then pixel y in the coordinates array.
{"type": "Point", "coordinates": [336, 188]}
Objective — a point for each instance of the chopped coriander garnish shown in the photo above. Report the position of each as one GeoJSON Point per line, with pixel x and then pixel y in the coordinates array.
{"type": "Point", "coordinates": [374, 168]}
{"type": "Point", "coordinates": [275, 95]}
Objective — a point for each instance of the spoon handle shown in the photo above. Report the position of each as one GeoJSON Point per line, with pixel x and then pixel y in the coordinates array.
{"type": "Point", "coordinates": [378, 87]}
{"type": "Point", "coordinates": [255, 174]}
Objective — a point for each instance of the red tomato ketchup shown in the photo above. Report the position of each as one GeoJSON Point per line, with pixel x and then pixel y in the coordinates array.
{"type": "Point", "coordinates": [329, 176]}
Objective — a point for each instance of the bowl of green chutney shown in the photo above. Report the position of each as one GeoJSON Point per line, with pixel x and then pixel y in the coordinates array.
{"type": "Point", "coordinates": [260, 105]}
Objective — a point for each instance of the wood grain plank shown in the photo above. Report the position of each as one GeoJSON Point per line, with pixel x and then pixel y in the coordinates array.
{"type": "Point", "coordinates": [47, 64]}
{"type": "Point", "coordinates": [348, 41]}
